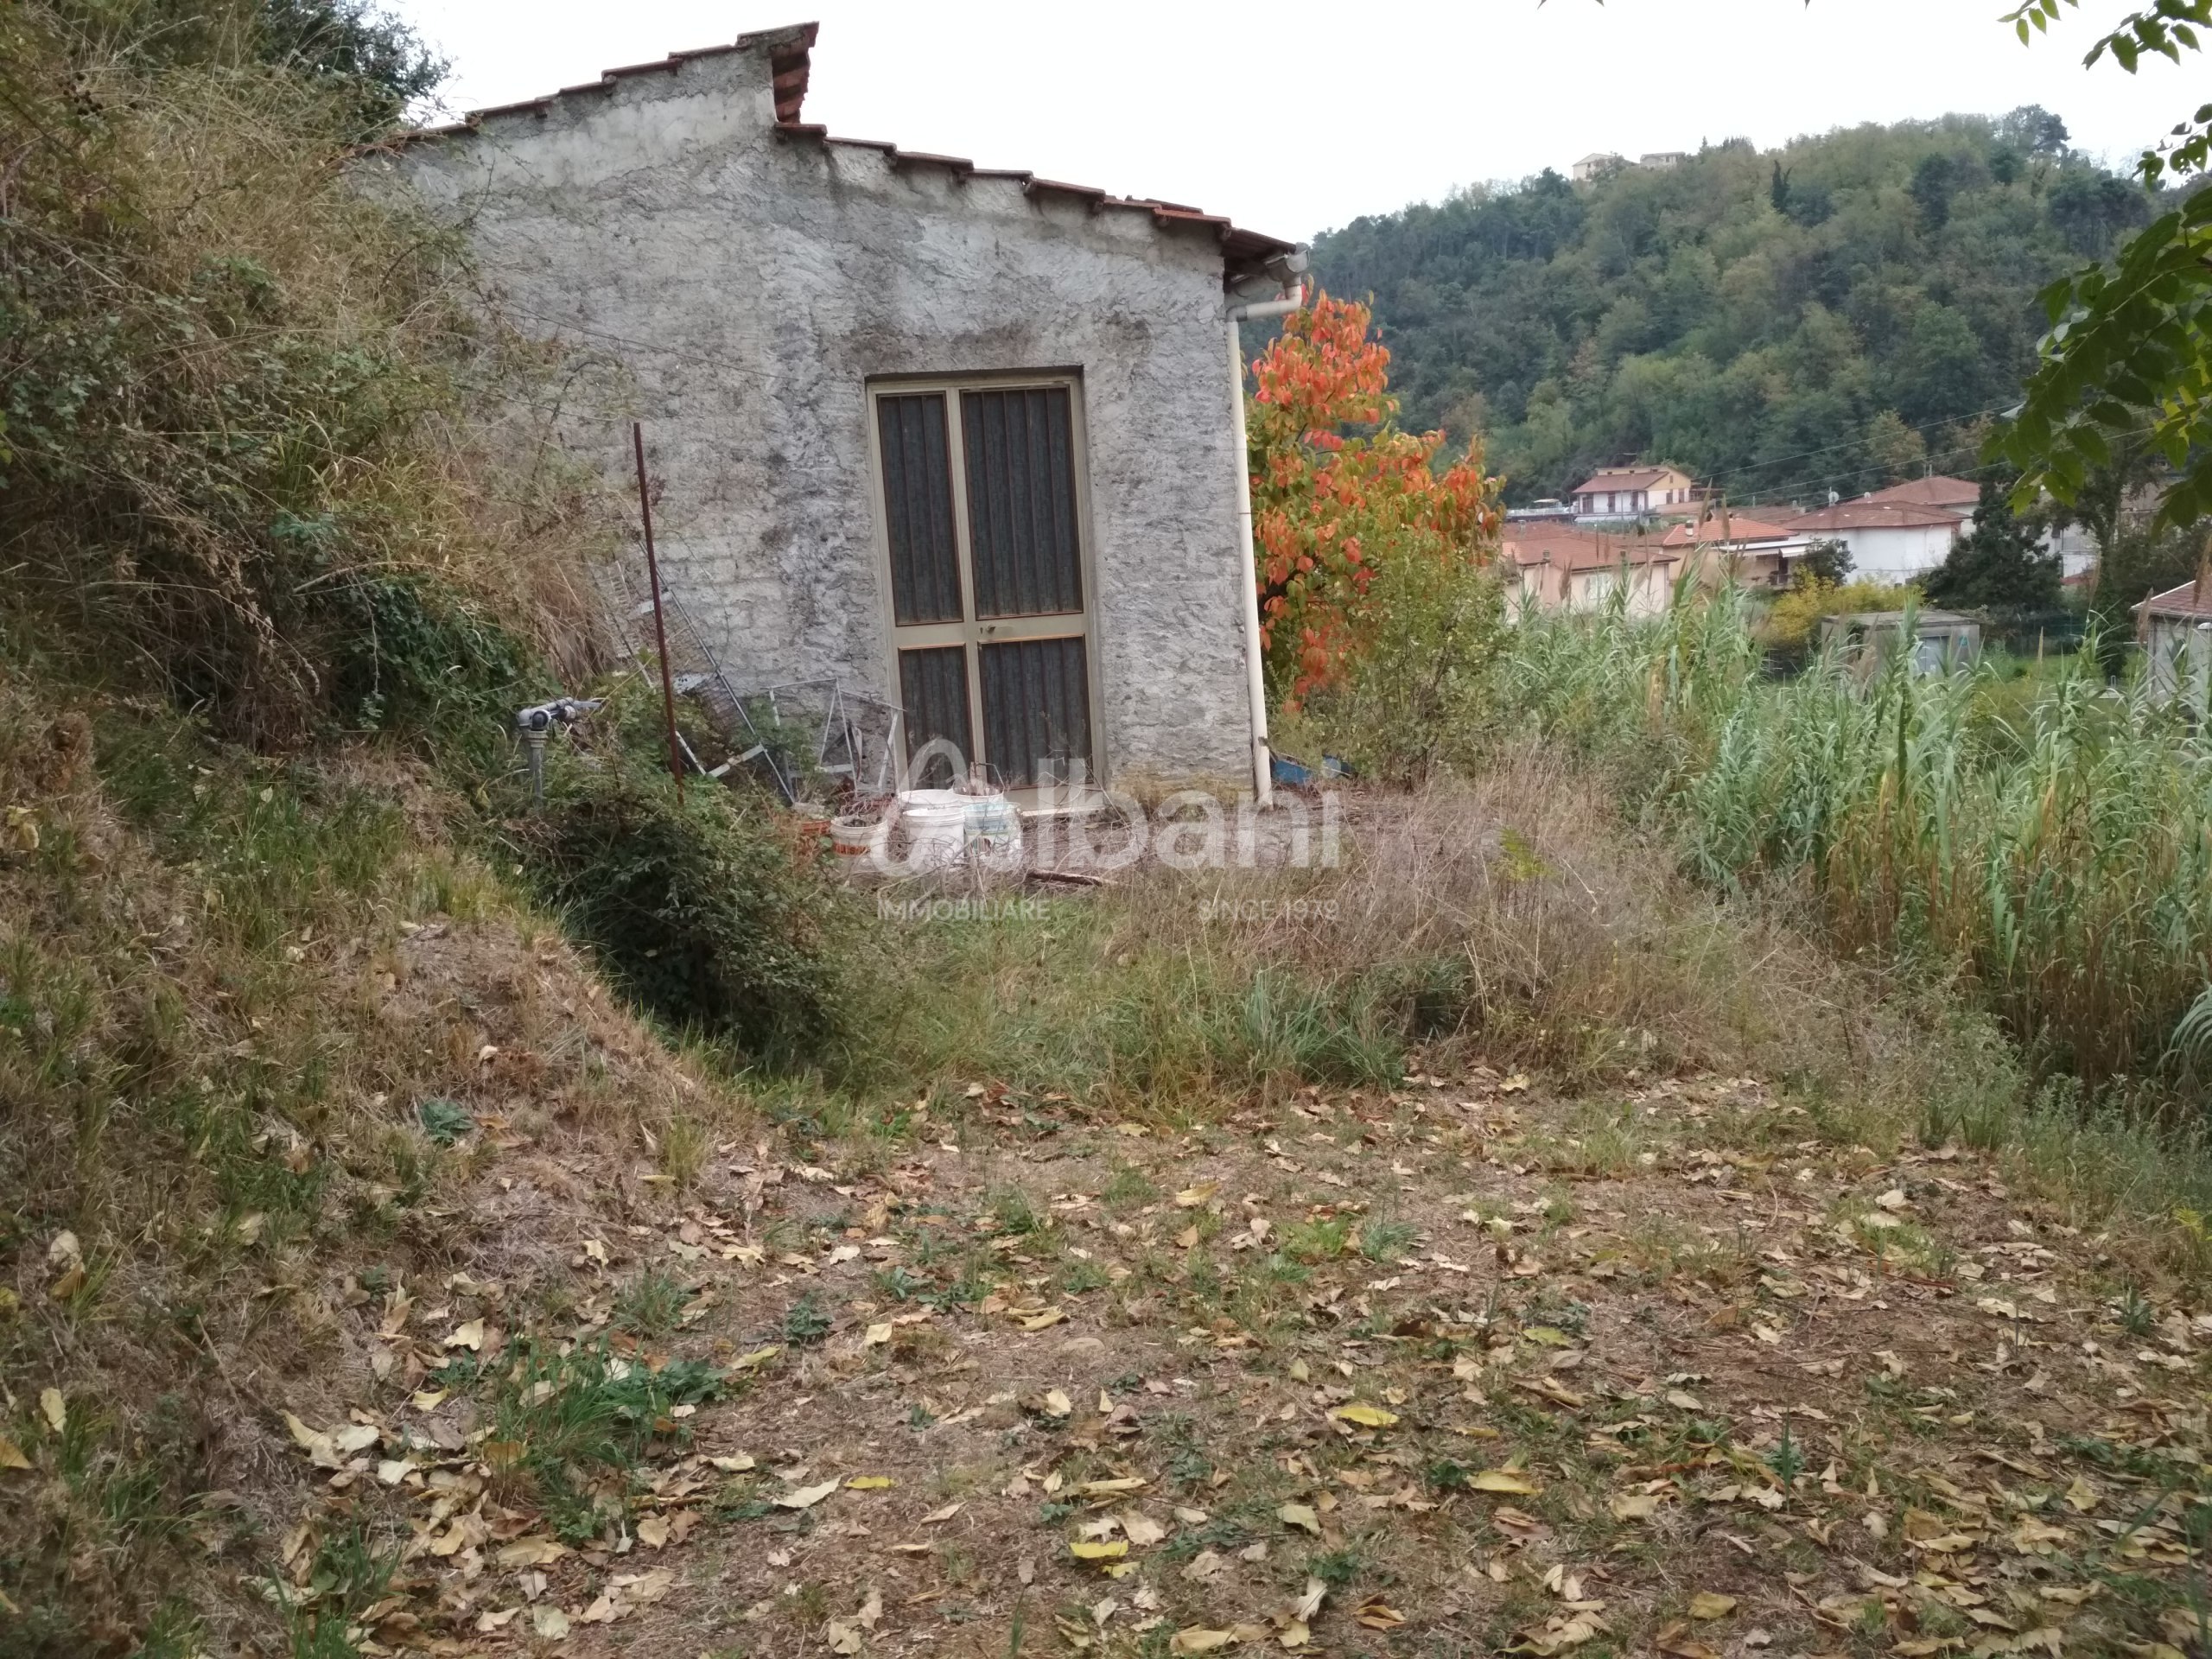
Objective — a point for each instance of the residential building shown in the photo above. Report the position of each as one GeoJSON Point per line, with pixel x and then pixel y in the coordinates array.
{"type": "Point", "coordinates": [1557, 566]}
{"type": "Point", "coordinates": [1758, 554]}
{"type": "Point", "coordinates": [1887, 541]}
{"type": "Point", "coordinates": [964, 438]}
{"type": "Point", "coordinates": [2176, 631]}
{"type": "Point", "coordinates": [1662, 161]}
{"type": "Point", "coordinates": [1596, 165]}
{"type": "Point", "coordinates": [1940, 492]}
{"type": "Point", "coordinates": [1616, 492]}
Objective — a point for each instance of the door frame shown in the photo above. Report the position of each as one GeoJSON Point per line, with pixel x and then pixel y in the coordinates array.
{"type": "Point", "coordinates": [972, 632]}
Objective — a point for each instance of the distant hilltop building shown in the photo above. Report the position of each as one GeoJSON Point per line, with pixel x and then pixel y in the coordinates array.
{"type": "Point", "coordinates": [1604, 163]}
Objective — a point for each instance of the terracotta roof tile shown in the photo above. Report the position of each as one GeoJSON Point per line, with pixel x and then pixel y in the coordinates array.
{"type": "Point", "coordinates": [2192, 598]}
{"type": "Point", "coordinates": [789, 64]}
{"type": "Point", "coordinates": [1870, 515]}
{"type": "Point", "coordinates": [1739, 527]}
{"type": "Point", "coordinates": [1940, 491]}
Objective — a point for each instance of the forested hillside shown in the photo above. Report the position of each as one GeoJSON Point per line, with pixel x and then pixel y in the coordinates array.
{"type": "Point", "coordinates": [1820, 316]}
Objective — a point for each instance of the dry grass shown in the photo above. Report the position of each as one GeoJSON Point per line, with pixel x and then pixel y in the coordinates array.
{"type": "Point", "coordinates": [268, 1056]}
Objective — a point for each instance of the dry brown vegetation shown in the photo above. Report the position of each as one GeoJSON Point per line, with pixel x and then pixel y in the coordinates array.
{"type": "Point", "coordinates": [395, 1291]}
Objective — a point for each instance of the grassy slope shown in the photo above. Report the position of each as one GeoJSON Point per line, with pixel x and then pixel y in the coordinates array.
{"type": "Point", "coordinates": [232, 989]}
{"type": "Point", "coordinates": [225, 989]}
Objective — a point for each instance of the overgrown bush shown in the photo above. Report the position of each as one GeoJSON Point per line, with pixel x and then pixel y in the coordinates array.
{"type": "Point", "coordinates": [1421, 698]}
{"type": "Point", "coordinates": [1794, 619]}
{"type": "Point", "coordinates": [699, 909]}
{"type": "Point", "coordinates": [231, 384]}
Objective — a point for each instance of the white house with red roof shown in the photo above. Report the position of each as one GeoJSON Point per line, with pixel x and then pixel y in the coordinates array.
{"type": "Point", "coordinates": [1621, 492]}
{"type": "Point", "coordinates": [1891, 541]}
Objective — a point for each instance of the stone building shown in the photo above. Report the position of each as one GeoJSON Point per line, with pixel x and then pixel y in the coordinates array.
{"type": "Point", "coordinates": [968, 440]}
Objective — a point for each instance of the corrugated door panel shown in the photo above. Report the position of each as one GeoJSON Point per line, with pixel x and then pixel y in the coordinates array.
{"type": "Point", "coordinates": [918, 508]}
{"type": "Point", "coordinates": [1020, 444]}
{"type": "Point", "coordinates": [1036, 710]}
{"type": "Point", "coordinates": [933, 686]}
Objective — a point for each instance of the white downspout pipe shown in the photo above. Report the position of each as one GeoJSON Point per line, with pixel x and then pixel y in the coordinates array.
{"type": "Point", "coordinates": [1263, 773]}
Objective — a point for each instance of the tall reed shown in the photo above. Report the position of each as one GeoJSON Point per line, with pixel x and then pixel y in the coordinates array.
{"type": "Point", "coordinates": [2055, 854]}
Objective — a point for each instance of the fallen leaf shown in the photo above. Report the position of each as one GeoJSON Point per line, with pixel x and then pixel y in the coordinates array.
{"type": "Point", "coordinates": [1191, 1196]}
{"type": "Point", "coordinates": [530, 1552]}
{"type": "Point", "coordinates": [1108, 1550]}
{"type": "Point", "coordinates": [1677, 1641]}
{"type": "Point", "coordinates": [1501, 1480]}
{"type": "Point", "coordinates": [935, 1516]}
{"type": "Point", "coordinates": [652, 1532]}
{"type": "Point", "coordinates": [1634, 1506]}
{"type": "Point", "coordinates": [549, 1623]}
{"type": "Point", "coordinates": [1370, 1416]}
{"type": "Point", "coordinates": [733, 1465]}
{"type": "Point", "coordinates": [1378, 1615]}
{"type": "Point", "coordinates": [313, 1442]}
{"type": "Point", "coordinates": [843, 1637]}
{"type": "Point", "coordinates": [757, 1357]}
{"type": "Point", "coordinates": [805, 1497]}
{"type": "Point", "coordinates": [469, 1336]}
{"type": "Point", "coordinates": [1200, 1640]}
{"type": "Point", "coordinates": [1051, 1316]}
{"type": "Point", "coordinates": [1711, 1603]}
{"type": "Point", "coordinates": [869, 1483]}
{"type": "Point", "coordinates": [877, 1335]}
{"type": "Point", "coordinates": [1105, 1488]}
{"type": "Point", "coordinates": [1300, 1516]}
{"type": "Point", "coordinates": [52, 1407]}
{"type": "Point", "coordinates": [1141, 1530]}
{"type": "Point", "coordinates": [2083, 1496]}
{"type": "Point", "coordinates": [11, 1455]}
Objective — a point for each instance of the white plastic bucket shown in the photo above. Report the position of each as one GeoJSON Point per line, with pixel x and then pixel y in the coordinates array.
{"type": "Point", "coordinates": [936, 825]}
{"type": "Point", "coordinates": [993, 832]}
{"type": "Point", "coordinates": [855, 839]}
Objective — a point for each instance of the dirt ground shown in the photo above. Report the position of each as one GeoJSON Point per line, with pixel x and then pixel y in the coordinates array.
{"type": "Point", "coordinates": [1462, 1368]}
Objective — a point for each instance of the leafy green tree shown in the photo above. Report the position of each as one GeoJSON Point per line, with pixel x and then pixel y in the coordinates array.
{"type": "Point", "coordinates": [2130, 348]}
{"type": "Point", "coordinates": [1827, 561]}
{"type": "Point", "coordinates": [1934, 180]}
{"type": "Point", "coordinates": [1896, 449]}
{"type": "Point", "coordinates": [2000, 564]}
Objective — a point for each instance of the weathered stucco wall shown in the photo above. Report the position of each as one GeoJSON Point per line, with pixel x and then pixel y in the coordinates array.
{"type": "Point", "coordinates": [753, 281]}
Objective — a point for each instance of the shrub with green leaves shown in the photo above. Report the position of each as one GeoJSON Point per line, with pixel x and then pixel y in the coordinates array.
{"type": "Point", "coordinates": [1421, 698]}
{"type": "Point", "coordinates": [697, 907]}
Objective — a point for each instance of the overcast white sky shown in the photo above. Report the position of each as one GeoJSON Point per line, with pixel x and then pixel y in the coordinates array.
{"type": "Point", "coordinates": [1296, 117]}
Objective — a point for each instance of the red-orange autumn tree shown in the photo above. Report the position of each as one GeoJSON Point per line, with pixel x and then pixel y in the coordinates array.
{"type": "Point", "coordinates": [1338, 493]}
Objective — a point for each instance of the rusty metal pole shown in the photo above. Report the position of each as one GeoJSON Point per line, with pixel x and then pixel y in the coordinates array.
{"type": "Point", "coordinates": [660, 627]}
